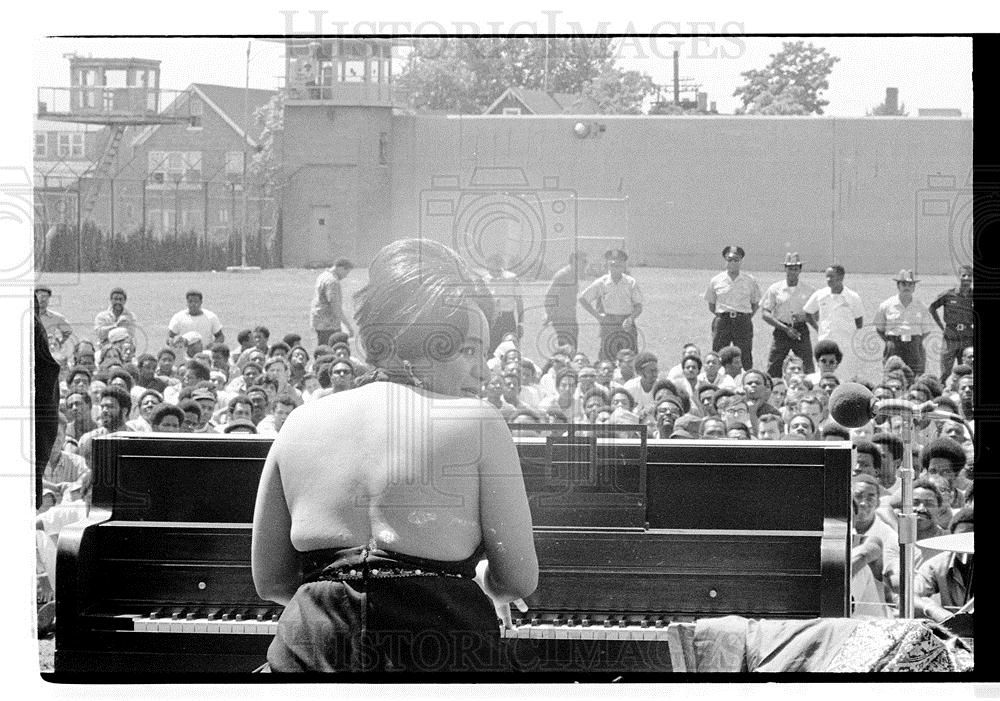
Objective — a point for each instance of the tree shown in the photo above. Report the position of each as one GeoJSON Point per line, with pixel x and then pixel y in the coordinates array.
{"type": "Point", "coordinates": [264, 165]}
{"type": "Point", "coordinates": [466, 75]}
{"type": "Point", "coordinates": [790, 84]}
{"type": "Point", "coordinates": [620, 92]}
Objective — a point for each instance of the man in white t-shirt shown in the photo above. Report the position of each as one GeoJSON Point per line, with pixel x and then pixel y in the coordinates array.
{"type": "Point", "coordinates": [838, 313]}
{"type": "Point", "coordinates": [641, 386]}
{"type": "Point", "coordinates": [195, 318]}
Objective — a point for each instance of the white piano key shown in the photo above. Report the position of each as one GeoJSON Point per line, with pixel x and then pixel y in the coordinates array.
{"type": "Point", "coordinates": [201, 625]}
{"type": "Point", "coordinates": [163, 625]}
{"type": "Point", "coordinates": [212, 626]}
{"type": "Point", "coordinates": [560, 632]}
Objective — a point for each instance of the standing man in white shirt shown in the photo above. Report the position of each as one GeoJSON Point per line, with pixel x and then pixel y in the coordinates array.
{"type": "Point", "coordinates": [838, 313]}
{"type": "Point", "coordinates": [326, 311]}
{"type": "Point", "coordinates": [733, 297]}
{"type": "Point", "coordinates": [197, 319]}
{"type": "Point", "coordinates": [615, 300]}
{"type": "Point", "coordinates": [903, 322]}
{"type": "Point", "coordinates": [781, 307]}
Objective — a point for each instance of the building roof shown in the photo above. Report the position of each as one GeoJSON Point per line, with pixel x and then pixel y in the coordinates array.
{"type": "Point", "coordinates": [51, 125]}
{"type": "Point", "coordinates": [234, 105]}
{"type": "Point", "coordinates": [541, 102]}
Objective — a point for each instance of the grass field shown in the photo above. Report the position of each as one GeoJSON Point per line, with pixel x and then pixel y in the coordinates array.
{"type": "Point", "coordinates": [675, 311]}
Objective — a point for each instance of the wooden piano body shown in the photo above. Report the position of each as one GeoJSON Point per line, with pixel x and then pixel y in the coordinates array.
{"type": "Point", "coordinates": [631, 535]}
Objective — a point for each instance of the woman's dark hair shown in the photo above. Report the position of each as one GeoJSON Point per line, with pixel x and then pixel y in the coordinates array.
{"type": "Point", "coordinates": [414, 305]}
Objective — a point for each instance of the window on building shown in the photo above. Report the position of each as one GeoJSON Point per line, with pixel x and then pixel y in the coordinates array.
{"type": "Point", "coordinates": [76, 145]}
{"type": "Point", "coordinates": [65, 146]}
{"type": "Point", "coordinates": [41, 145]}
{"type": "Point", "coordinates": [196, 108]}
{"type": "Point", "coordinates": [383, 148]}
{"type": "Point", "coordinates": [234, 163]}
{"type": "Point", "coordinates": [165, 167]}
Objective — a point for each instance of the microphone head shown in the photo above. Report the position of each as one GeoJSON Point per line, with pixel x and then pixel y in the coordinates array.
{"type": "Point", "coordinates": [851, 405]}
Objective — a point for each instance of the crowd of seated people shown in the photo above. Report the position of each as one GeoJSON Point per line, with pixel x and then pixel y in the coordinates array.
{"type": "Point", "coordinates": [200, 384]}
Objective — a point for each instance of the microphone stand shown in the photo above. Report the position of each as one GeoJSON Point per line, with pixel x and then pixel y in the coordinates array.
{"type": "Point", "coordinates": [907, 520]}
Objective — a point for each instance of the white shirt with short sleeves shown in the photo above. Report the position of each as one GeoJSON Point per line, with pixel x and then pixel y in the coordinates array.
{"type": "Point", "coordinates": [207, 325]}
{"type": "Point", "coordinates": [616, 297]}
{"type": "Point", "coordinates": [737, 294]}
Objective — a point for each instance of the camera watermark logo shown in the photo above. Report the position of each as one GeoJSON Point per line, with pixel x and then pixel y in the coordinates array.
{"type": "Point", "coordinates": [16, 216]}
{"type": "Point", "coordinates": [955, 210]}
{"type": "Point", "coordinates": [498, 212]}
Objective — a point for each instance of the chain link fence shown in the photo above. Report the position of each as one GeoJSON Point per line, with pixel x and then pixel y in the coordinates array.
{"type": "Point", "coordinates": [100, 225]}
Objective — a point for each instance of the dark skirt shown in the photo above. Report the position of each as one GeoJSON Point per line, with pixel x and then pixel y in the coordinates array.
{"type": "Point", "coordinates": [376, 611]}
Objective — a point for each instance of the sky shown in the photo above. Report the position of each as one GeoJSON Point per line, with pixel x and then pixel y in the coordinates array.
{"type": "Point", "coordinates": [929, 71]}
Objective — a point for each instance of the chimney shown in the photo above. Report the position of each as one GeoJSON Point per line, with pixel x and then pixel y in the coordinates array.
{"type": "Point", "coordinates": [892, 100]}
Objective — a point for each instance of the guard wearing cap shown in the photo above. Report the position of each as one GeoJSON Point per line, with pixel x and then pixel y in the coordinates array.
{"type": "Point", "coordinates": [781, 307]}
{"type": "Point", "coordinates": [733, 297]}
{"type": "Point", "coordinates": [959, 321]}
{"type": "Point", "coordinates": [615, 300]}
{"type": "Point", "coordinates": [903, 321]}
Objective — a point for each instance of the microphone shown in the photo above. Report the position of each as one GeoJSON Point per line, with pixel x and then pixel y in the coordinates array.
{"type": "Point", "coordinates": [853, 405]}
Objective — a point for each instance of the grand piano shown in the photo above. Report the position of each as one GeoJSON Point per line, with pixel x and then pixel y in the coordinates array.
{"type": "Point", "coordinates": [634, 537]}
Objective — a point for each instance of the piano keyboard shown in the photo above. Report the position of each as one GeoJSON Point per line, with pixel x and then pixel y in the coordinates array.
{"type": "Point", "coordinates": [212, 622]}
{"type": "Point", "coordinates": [585, 628]}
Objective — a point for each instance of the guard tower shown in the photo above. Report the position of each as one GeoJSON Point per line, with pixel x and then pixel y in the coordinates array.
{"type": "Point", "coordinates": [117, 93]}
{"type": "Point", "coordinates": [337, 148]}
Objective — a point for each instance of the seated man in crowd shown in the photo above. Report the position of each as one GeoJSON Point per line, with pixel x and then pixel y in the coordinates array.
{"type": "Point", "coordinates": [79, 410]}
{"type": "Point", "coordinates": [927, 500]}
{"type": "Point", "coordinates": [757, 386]}
{"type": "Point", "coordinates": [867, 459]}
{"type": "Point", "coordinates": [281, 407]}
{"type": "Point", "coordinates": [192, 415]}
{"type": "Point", "coordinates": [641, 387]}
{"type": "Point", "coordinates": [64, 471]}
{"type": "Point", "coordinates": [115, 406]}
{"type": "Point", "coordinates": [769, 427]}
{"type": "Point", "coordinates": [947, 577]}
{"type": "Point", "coordinates": [875, 551]}
{"type": "Point", "coordinates": [731, 358]}
{"type": "Point", "coordinates": [167, 418]}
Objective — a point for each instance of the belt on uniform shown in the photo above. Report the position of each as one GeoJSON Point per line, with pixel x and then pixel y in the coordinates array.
{"type": "Point", "coordinates": [731, 315]}
{"type": "Point", "coordinates": [904, 338]}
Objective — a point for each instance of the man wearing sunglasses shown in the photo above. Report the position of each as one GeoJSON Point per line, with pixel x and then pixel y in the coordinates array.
{"type": "Point", "coordinates": [902, 322]}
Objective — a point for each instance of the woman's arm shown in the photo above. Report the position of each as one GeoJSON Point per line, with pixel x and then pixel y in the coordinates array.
{"type": "Point", "coordinates": [273, 559]}
{"type": "Point", "coordinates": [512, 572]}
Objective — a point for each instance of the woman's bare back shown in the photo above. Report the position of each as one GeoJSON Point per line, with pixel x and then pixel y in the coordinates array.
{"type": "Point", "coordinates": [385, 464]}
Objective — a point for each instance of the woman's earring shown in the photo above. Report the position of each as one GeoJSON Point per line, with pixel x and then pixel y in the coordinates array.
{"type": "Point", "coordinates": [409, 371]}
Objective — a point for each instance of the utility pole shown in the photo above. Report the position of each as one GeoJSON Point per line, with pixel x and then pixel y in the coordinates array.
{"type": "Point", "coordinates": [243, 267]}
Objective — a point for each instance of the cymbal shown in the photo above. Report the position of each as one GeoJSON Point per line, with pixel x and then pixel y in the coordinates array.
{"type": "Point", "coordinates": [955, 542]}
